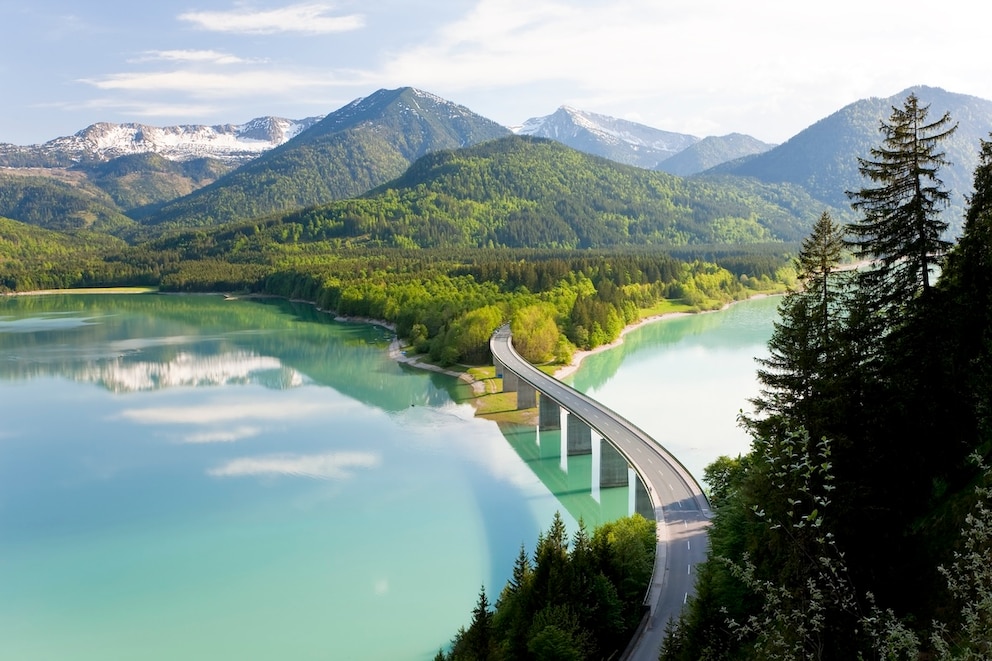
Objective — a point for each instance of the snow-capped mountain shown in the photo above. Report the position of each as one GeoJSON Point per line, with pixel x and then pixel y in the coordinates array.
{"type": "Point", "coordinates": [616, 139]}
{"type": "Point", "coordinates": [104, 141]}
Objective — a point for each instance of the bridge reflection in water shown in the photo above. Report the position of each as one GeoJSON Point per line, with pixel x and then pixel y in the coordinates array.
{"type": "Point", "coordinates": [588, 476]}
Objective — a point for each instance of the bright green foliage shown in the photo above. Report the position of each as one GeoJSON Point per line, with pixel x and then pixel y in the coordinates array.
{"type": "Point", "coordinates": [535, 332]}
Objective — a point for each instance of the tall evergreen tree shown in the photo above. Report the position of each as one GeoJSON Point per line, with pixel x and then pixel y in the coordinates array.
{"type": "Point", "coordinates": [803, 350]}
{"type": "Point", "coordinates": [818, 260]}
{"type": "Point", "coordinates": [479, 636]}
{"type": "Point", "coordinates": [901, 229]}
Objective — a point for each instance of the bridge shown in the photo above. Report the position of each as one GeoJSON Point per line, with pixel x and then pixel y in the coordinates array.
{"type": "Point", "coordinates": [670, 494]}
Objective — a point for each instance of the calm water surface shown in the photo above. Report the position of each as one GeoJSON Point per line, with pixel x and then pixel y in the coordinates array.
{"type": "Point", "coordinates": [184, 477]}
{"type": "Point", "coordinates": [684, 380]}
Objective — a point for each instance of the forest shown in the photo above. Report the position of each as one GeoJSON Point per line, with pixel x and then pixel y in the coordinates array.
{"type": "Point", "coordinates": [858, 525]}
{"type": "Point", "coordinates": [445, 301]}
{"type": "Point", "coordinates": [575, 598]}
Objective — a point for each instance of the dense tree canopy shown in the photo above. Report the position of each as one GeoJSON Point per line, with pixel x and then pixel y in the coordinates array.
{"type": "Point", "coordinates": [856, 527]}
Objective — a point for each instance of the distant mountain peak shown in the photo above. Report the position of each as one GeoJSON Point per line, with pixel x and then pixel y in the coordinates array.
{"type": "Point", "coordinates": [104, 141]}
{"type": "Point", "coordinates": [616, 139]}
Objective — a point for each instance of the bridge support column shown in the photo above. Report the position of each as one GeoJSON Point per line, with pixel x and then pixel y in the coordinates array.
{"type": "Point", "coordinates": [579, 436]}
{"type": "Point", "coordinates": [510, 381]}
{"type": "Point", "coordinates": [526, 395]}
{"type": "Point", "coordinates": [642, 500]}
{"type": "Point", "coordinates": [549, 416]}
{"type": "Point", "coordinates": [612, 466]}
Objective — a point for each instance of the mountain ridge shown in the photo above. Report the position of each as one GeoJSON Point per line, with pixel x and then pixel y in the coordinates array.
{"type": "Point", "coordinates": [105, 141]}
{"type": "Point", "coordinates": [350, 151]}
{"type": "Point", "coordinates": [823, 157]}
{"type": "Point", "coordinates": [619, 140]}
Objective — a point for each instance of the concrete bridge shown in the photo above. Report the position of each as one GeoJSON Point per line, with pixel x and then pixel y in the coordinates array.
{"type": "Point", "coordinates": [671, 496]}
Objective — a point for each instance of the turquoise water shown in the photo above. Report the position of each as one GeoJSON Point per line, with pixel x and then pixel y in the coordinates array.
{"type": "Point", "coordinates": [684, 380]}
{"type": "Point", "coordinates": [187, 477]}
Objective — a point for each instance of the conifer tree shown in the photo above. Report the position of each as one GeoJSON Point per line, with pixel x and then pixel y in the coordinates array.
{"type": "Point", "coordinates": [797, 374]}
{"type": "Point", "coordinates": [901, 229]}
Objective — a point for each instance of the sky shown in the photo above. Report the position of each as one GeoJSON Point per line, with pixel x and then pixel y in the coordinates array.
{"type": "Point", "coordinates": [766, 68]}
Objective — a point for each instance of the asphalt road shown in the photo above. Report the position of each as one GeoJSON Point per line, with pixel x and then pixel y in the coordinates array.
{"type": "Point", "coordinates": [681, 509]}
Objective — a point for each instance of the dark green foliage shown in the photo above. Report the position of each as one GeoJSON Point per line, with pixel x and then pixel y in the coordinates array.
{"type": "Point", "coordinates": [59, 204]}
{"type": "Point", "coordinates": [829, 534]}
{"type": "Point", "coordinates": [799, 377]}
{"type": "Point", "coordinates": [901, 229]}
{"type": "Point", "coordinates": [579, 603]}
{"type": "Point", "coordinates": [141, 180]}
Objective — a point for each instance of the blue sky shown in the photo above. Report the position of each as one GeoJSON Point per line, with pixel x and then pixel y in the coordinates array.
{"type": "Point", "coordinates": [768, 68]}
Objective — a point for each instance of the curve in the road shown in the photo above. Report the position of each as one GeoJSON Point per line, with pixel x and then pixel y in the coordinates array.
{"type": "Point", "coordinates": [682, 512]}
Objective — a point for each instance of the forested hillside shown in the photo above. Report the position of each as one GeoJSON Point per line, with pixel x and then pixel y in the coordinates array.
{"type": "Point", "coordinates": [858, 526]}
{"type": "Point", "coordinates": [59, 204]}
{"type": "Point", "coordinates": [529, 192]}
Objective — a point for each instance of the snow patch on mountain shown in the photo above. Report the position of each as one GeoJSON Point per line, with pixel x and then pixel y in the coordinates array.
{"type": "Point", "coordinates": [617, 139]}
{"type": "Point", "coordinates": [229, 142]}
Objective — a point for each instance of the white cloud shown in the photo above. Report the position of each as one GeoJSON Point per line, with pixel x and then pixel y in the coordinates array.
{"type": "Point", "coordinates": [195, 56]}
{"type": "Point", "coordinates": [213, 84]}
{"type": "Point", "coordinates": [308, 18]}
{"type": "Point", "coordinates": [330, 466]}
{"type": "Point", "coordinates": [147, 109]}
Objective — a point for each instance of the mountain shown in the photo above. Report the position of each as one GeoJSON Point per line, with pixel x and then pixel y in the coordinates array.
{"type": "Point", "coordinates": [823, 158]}
{"type": "Point", "coordinates": [366, 143]}
{"type": "Point", "coordinates": [712, 151]}
{"type": "Point", "coordinates": [104, 141]}
{"type": "Point", "coordinates": [616, 139]}
{"type": "Point", "coordinates": [139, 180]}
{"type": "Point", "coordinates": [66, 202]}
{"type": "Point", "coordinates": [521, 191]}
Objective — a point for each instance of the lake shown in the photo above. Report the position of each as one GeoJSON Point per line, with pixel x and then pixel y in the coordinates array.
{"type": "Point", "coordinates": [189, 477]}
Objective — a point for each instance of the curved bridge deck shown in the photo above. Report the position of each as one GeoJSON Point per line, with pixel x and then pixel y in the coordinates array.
{"type": "Point", "coordinates": [680, 507]}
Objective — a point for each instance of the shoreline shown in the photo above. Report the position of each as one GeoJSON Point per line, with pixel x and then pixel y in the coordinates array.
{"type": "Point", "coordinates": [579, 356]}
{"type": "Point", "coordinates": [396, 351]}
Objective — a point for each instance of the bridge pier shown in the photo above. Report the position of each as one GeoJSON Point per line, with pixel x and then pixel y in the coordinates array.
{"type": "Point", "coordinates": [579, 435]}
{"type": "Point", "coordinates": [642, 499]}
{"type": "Point", "coordinates": [510, 381]}
{"type": "Point", "coordinates": [549, 414]}
{"type": "Point", "coordinates": [612, 466]}
{"type": "Point", "coordinates": [526, 395]}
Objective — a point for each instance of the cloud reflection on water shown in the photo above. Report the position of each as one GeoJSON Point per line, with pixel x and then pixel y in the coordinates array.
{"type": "Point", "coordinates": [218, 412]}
{"type": "Point", "coordinates": [328, 466]}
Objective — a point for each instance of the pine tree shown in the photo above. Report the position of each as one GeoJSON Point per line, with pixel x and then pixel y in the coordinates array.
{"type": "Point", "coordinates": [799, 372]}
{"type": "Point", "coordinates": [479, 637]}
{"type": "Point", "coordinates": [901, 228]}
{"type": "Point", "coordinates": [818, 259]}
